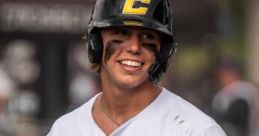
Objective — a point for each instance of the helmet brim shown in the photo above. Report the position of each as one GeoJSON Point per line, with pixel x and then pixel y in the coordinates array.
{"type": "Point", "coordinates": [131, 21]}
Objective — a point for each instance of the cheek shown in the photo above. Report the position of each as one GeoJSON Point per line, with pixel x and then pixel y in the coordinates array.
{"type": "Point", "coordinates": [111, 48]}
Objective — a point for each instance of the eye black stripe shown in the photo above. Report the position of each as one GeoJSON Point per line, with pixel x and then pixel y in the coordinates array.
{"type": "Point", "coordinates": [151, 47]}
{"type": "Point", "coordinates": [111, 48]}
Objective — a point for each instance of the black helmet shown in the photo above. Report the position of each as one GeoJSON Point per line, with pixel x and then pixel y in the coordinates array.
{"type": "Point", "coordinates": [152, 14]}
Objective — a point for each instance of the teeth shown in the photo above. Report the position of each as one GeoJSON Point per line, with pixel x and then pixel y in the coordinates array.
{"type": "Point", "coordinates": [131, 63]}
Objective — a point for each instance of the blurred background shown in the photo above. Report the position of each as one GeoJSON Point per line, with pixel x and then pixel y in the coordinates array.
{"type": "Point", "coordinates": [44, 70]}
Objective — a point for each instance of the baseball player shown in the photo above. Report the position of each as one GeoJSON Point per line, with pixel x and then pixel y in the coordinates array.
{"type": "Point", "coordinates": [130, 43]}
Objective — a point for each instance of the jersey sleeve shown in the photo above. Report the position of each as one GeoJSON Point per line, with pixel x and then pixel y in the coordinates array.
{"type": "Point", "coordinates": [212, 130]}
{"type": "Point", "coordinates": [50, 133]}
{"type": "Point", "coordinates": [52, 130]}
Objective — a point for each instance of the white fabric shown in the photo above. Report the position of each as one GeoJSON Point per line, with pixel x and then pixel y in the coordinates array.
{"type": "Point", "coordinates": [167, 115]}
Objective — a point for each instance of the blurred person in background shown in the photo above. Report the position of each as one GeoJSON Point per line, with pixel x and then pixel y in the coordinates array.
{"type": "Point", "coordinates": [82, 88]}
{"type": "Point", "coordinates": [83, 81]}
{"type": "Point", "coordinates": [254, 129]}
{"type": "Point", "coordinates": [6, 90]}
{"type": "Point", "coordinates": [130, 44]}
{"type": "Point", "coordinates": [234, 103]}
{"type": "Point", "coordinates": [17, 71]}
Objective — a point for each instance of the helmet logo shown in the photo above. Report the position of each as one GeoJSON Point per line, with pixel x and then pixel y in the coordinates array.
{"type": "Point", "coordinates": [132, 23]}
{"type": "Point", "coordinates": [130, 9]}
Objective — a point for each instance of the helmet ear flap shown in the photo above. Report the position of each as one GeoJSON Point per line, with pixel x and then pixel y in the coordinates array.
{"type": "Point", "coordinates": [95, 46]}
{"type": "Point", "coordinates": [158, 69]}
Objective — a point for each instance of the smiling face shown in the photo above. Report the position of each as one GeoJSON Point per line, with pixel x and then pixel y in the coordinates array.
{"type": "Point", "coordinates": [128, 53]}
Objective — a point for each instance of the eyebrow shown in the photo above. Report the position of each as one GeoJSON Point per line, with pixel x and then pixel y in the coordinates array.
{"type": "Point", "coordinates": [128, 29]}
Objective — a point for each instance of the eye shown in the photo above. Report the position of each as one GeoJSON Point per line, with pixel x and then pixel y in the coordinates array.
{"type": "Point", "coordinates": [149, 36]}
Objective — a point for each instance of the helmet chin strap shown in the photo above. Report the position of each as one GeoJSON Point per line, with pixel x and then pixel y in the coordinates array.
{"type": "Point", "coordinates": [156, 71]}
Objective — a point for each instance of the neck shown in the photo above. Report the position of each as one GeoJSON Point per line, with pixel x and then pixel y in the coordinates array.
{"type": "Point", "coordinates": [122, 104]}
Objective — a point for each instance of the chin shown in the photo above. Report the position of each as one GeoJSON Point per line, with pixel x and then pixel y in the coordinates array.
{"type": "Point", "coordinates": [133, 82]}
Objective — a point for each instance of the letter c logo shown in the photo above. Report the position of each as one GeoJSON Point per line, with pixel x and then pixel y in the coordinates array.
{"type": "Point", "coordinates": [129, 9]}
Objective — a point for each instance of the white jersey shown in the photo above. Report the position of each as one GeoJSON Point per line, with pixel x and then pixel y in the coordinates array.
{"type": "Point", "coordinates": [167, 115]}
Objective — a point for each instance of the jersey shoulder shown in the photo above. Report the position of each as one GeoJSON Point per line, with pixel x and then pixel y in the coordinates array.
{"type": "Point", "coordinates": [187, 117]}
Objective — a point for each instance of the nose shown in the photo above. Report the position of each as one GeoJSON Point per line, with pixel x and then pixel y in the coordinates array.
{"type": "Point", "coordinates": [134, 45]}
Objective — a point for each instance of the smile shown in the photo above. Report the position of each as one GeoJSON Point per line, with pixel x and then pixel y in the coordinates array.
{"type": "Point", "coordinates": [131, 63]}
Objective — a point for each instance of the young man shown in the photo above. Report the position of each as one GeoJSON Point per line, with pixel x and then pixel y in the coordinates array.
{"type": "Point", "coordinates": [130, 44]}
